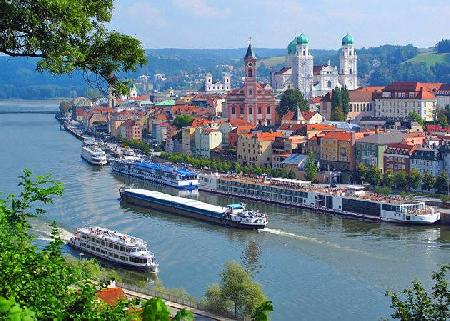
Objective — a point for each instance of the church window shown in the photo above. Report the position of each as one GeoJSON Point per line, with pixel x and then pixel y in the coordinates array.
{"type": "Point", "coordinates": [351, 71]}
{"type": "Point", "coordinates": [304, 52]}
{"type": "Point", "coordinates": [329, 84]}
{"type": "Point", "coordinates": [250, 72]}
{"type": "Point", "coordinates": [250, 92]}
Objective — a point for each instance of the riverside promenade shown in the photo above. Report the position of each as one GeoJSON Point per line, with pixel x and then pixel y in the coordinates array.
{"type": "Point", "coordinates": [173, 303]}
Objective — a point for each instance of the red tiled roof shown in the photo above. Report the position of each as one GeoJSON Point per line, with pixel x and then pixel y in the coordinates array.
{"type": "Point", "coordinates": [338, 135]}
{"type": "Point", "coordinates": [111, 295]}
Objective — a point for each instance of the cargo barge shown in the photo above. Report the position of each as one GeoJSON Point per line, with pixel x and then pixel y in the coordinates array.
{"type": "Point", "coordinates": [233, 215]}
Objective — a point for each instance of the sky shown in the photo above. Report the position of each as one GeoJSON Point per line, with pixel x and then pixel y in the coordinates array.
{"type": "Point", "coordinates": [274, 23]}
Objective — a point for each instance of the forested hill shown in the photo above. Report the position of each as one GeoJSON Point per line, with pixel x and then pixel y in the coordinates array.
{"type": "Point", "coordinates": [376, 66]}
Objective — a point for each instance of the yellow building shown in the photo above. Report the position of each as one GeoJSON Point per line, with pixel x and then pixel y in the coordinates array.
{"type": "Point", "coordinates": [256, 149]}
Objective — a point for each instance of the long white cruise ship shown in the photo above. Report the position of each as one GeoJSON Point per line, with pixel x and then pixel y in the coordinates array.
{"type": "Point", "coordinates": [115, 247]}
{"type": "Point", "coordinates": [93, 155]}
{"type": "Point", "coordinates": [348, 200]}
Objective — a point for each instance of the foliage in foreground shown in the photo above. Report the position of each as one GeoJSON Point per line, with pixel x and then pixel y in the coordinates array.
{"type": "Point", "coordinates": [70, 35]}
{"type": "Point", "coordinates": [42, 280]}
{"type": "Point", "coordinates": [238, 293]}
{"type": "Point", "coordinates": [415, 303]}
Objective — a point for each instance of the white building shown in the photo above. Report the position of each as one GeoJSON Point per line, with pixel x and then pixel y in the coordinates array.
{"type": "Point", "coordinates": [217, 87]}
{"type": "Point", "coordinates": [313, 81]}
{"type": "Point", "coordinates": [399, 99]}
{"type": "Point", "coordinates": [206, 139]}
{"type": "Point", "coordinates": [426, 160]}
{"type": "Point", "coordinates": [443, 96]}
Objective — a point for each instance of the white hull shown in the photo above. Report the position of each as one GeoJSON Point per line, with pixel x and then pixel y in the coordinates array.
{"type": "Point", "coordinates": [114, 247]}
{"type": "Point", "coordinates": [94, 156]}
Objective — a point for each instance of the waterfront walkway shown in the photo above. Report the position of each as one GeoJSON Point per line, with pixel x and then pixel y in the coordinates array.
{"type": "Point", "coordinates": [174, 307]}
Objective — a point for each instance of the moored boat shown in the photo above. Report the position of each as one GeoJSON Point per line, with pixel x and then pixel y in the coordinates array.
{"type": "Point", "coordinates": [159, 173]}
{"type": "Point", "coordinates": [115, 247]}
{"type": "Point", "coordinates": [233, 215]}
{"type": "Point", "coordinates": [346, 200]}
{"type": "Point", "coordinates": [93, 155]}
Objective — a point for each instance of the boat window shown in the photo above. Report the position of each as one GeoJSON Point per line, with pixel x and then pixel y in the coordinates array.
{"type": "Point", "coordinates": [116, 256]}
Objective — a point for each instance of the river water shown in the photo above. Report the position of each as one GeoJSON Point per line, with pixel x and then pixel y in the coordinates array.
{"type": "Point", "coordinates": [313, 266]}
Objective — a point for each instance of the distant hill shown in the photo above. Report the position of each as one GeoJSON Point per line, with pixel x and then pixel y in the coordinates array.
{"type": "Point", "coordinates": [185, 68]}
{"type": "Point", "coordinates": [431, 58]}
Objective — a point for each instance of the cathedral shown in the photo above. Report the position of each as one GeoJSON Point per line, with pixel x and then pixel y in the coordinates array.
{"type": "Point", "coordinates": [313, 81]}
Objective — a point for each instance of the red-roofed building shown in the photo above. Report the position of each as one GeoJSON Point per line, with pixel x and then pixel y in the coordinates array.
{"type": "Point", "coordinates": [337, 150]}
{"type": "Point", "coordinates": [362, 102]}
{"type": "Point", "coordinates": [396, 157]}
{"type": "Point", "coordinates": [111, 295]}
{"type": "Point", "coordinates": [256, 148]}
{"type": "Point", "coordinates": [399, 99]}
{"type": "Point", "coordinates": [252, 102]}
{"type": "Point", "coordinates": [303, 117]}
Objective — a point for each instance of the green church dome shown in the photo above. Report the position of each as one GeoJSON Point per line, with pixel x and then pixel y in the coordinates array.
{"type": "Point", "coordinates": [299, 40]}
{"type": "Point", "coordinates": [292, 47]}
{"type": "Point", "coordinates": [302, 39]}
{"type": "Point", "coordinates": [347, 40]}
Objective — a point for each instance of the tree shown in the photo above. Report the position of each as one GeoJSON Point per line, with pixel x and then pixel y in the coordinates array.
{"type": "Point", "coordinates": [182, 121]}
{"type": "Point", "coordinates": [401, 180]}
{"type": "Point", "coordinates": [418, 304]}
{"type": "Point", "coordinates": [442, 118]}
{"type": "Point", "coordinates": [361, 172]}
{"type": "Point", "coordinates": [340, 104]}
{"type": "Point", "coordinates": [311, 168]}
{"type": "Point", "coordinates": [65, 107]}
{"type": "Point", "coordinates": [389, 179]}
{"type": "Point", "coordinates": [262, 312]}
{"type": "Point", "coordinates": [441, 182]}
{"type": "Point", "coordinates": [374, 175]}
{"type": "Point", "coordinates": [68, 36]}
{"type": "Point", "coordinates": [237, 290]}
{"type": "Point", "coordinates": [443, 46]}
{"type": "Point", "coordinates": [290, 100]}
{"type": "Point", "coordinates": [414, 178]}
{"type": "Point", "coordinates": [414, 116]}
{"type": "Point", "coordinates": [428, 180]}
{"type": "Point", "coordinates": [42, 280]}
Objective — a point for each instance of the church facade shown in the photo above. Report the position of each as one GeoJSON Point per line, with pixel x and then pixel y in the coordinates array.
{"type": "Point", "coordinates": [314, 81]}
{"type": "Point", "coordinates": [253, 102]}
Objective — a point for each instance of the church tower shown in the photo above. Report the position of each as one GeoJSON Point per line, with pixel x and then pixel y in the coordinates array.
{"type": "Point", "coordinates": [302, 63]}
{"type": "Point", "coordinates": [348, 67]}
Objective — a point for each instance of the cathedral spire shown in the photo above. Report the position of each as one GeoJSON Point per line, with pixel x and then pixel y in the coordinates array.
{"type": "Point", "coordinates": [250, 53]}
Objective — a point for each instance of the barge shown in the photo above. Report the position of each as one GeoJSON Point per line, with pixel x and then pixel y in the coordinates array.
{"type": "Point", "coordinates": [234, 215]}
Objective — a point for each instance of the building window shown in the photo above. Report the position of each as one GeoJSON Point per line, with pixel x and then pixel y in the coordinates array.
{"type": "Point", "coordinates": [250, 72]}
{"type": "Point", "coordinates": [250, 92]}
{"type": "Point", "coordinates": [259, 110]}
{"type": "Point", "coordinates": [233, 110]}
{"type": "Point", "coordinates": [268, 110]}
{"type": "Point", "coordinates": [241, 110]}
{"type": "Point", "coordinates": [329, 84]}
{"type": "Point", "coordinates": [250, 110]}
{"type": "Point", "coordinates": [351, 71]}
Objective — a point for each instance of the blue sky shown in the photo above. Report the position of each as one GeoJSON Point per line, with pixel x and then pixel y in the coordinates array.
{"type": "Point", "coordinates": [273, 23]}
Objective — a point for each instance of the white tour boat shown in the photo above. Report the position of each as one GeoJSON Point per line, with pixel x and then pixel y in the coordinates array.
{"type": "Point", "coordinates": [93, 155]}
{"type": "Point", "coordinates": [115, 247]}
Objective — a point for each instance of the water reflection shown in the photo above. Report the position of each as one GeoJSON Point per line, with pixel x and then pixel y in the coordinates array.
{"type": "Point", "coordinates": [250, 257]}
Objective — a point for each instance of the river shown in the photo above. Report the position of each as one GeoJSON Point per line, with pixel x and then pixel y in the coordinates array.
{"type": "Point", "coordinates": [313, 266]}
